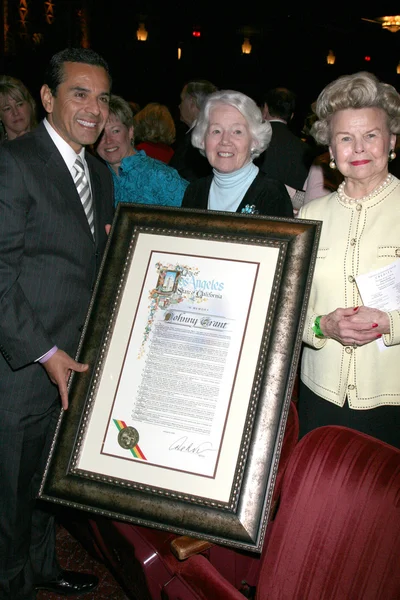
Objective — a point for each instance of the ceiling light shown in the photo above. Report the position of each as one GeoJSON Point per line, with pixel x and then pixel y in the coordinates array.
{"type": "Point", "coordinates": [330, 59]}
{"type": "Point", "coordinates": [141, 33]}
{"type": "Point", "coordinates": [246, 46]}
{"type": "Point", "coordinates": [390, 23]}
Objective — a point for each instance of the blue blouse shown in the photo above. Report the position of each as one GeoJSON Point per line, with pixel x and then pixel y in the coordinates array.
{"type": "Point", "coordinates": [146, 180]}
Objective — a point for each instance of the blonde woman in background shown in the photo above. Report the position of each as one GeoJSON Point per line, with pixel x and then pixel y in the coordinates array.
{"type": "Point", "coordinates": [137, 177]}
{"type": "Point", "coordinates": [155, 131]}
{"type": "Point", "coordinates": [17, 109]}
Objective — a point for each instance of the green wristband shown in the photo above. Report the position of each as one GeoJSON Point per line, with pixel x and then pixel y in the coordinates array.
{"type": "Point", "coordinates": [317, 328]}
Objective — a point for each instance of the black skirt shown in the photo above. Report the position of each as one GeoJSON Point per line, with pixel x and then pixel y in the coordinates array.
{"type": "Point", "coordinates": [382, 422]}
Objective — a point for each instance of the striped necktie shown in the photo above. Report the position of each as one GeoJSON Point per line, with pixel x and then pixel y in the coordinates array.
{"type": "Point", "coordinates": [82, 185]}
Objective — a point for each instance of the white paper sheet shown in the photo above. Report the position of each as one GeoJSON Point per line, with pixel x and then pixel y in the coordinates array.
{"type": "Point", "coordinates": [381, 289]}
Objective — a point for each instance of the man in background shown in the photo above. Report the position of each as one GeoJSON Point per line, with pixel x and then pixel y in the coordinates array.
{"type": "Point", "coordinates": [287, 158]}
{"type": "Point", "coordinates": [56, 204]}
{"type": "Point", "coordinates": [188, 161]}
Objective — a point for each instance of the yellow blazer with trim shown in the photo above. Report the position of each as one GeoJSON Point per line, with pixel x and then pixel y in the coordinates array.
{"type": "Point", "coordinates": [355, 239]}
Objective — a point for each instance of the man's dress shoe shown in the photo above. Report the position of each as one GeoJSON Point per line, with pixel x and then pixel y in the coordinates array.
{"type": "Point", "coordinates": [70, 583]}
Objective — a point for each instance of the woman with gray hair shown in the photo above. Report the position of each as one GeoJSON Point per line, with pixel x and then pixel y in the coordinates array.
{"type": "Point", "coordinates": [17, 108]}
{"type": "Point", "coordinates": [350, 361]}
{"type": "Point", "coordinates": [231, 133]}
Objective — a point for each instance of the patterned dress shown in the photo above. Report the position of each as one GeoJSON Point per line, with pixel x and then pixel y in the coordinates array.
{"type": "Point", "coordinates": [145, 180]}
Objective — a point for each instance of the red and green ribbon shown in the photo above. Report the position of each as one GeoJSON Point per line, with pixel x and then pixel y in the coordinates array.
{"type": "Point", "coordinates": [136, 451]}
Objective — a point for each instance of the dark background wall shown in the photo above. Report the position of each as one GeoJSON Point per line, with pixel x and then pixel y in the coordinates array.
{"type": "Point", "coordinates": [288, 48]}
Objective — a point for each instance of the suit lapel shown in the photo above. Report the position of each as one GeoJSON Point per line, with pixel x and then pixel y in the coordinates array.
{"type": "Point", "coordinates": [56, 171]}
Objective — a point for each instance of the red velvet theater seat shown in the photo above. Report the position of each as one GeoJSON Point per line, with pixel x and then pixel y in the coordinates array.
{"type": "Point", "coordinates": [336, 535]}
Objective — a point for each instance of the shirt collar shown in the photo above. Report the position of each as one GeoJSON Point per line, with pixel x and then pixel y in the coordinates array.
{"type": "Point", "coordinates": [69, 155]}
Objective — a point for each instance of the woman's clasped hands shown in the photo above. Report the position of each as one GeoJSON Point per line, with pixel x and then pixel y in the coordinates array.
{"type": "Point", "coordinates": [355, 326]}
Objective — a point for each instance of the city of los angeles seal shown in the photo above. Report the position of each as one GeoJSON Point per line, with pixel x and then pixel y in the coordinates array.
{"type": "Point", "coordinates": [128, 437]}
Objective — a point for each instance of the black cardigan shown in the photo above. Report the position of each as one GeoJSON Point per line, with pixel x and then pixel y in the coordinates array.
{"type": "Point", "coordinates": [269, 196]}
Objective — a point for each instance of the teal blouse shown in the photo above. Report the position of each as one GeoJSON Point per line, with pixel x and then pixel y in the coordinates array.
{"type": "Point", "coordinates": [146, 180]}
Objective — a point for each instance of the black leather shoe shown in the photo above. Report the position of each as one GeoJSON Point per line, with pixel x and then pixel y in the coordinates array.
{"type": "Point", "coordinates": [70, 583]}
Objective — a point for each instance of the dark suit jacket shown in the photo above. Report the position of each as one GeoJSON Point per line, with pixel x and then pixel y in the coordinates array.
{"type": "Point", "coordinates": [268, 196]}
{"type": "Point", "coordinates": [187, 160]}
{"type": "Point", "coordinates": [48, 263]}
{"type": "Point", "coordinates": [287, 157]}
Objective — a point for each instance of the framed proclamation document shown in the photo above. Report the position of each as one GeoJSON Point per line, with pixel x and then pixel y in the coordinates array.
{"type": "Point", "coordinates": [193, 338]}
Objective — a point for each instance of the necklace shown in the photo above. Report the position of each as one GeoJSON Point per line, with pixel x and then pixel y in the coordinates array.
{"type": "Point", "coordinates": [347, 200]}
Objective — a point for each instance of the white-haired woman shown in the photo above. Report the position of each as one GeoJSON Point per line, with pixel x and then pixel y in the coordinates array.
{"type": "Point", "coordinates": [231, 133]}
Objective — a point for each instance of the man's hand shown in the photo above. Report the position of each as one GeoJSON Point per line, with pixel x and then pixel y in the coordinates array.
{"type": "Point", "coordinates": [59, 368]}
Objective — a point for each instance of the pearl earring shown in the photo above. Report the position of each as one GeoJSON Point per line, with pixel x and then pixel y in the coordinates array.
{"type": "Point", "coordinates": [392, 155]}
{"type": "Point", "coordinates": [332, 163]}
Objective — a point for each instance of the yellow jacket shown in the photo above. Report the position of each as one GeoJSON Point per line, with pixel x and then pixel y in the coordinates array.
{"type": "Point", "coordinates": [355, 239]}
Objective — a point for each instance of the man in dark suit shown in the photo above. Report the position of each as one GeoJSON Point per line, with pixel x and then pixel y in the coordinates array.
{"type": "Point", "coordinates": [287, 158]}
{"type": "Point", "coordinates": [187, 160]}
{"type": "Point", "coordinates": [50, 251]}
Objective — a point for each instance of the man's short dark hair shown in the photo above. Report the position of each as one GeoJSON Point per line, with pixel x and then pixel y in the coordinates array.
{"type": "Point", "coordinates": [55, 73]}
{"type": "Point", "coordinates": [281, 102]}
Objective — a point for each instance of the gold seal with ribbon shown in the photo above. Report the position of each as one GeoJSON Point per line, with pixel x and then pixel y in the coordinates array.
{"type": "Point", "coordinates": [128, 437]}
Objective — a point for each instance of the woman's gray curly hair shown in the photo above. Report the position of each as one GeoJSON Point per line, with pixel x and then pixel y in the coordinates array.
{"type": "Point", "coordinates": [260, 131]}
{"type": "Point", "coordinates": [359, 90]}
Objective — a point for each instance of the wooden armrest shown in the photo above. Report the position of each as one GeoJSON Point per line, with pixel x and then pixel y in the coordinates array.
{"type": "Point", "coordinates": [274, 509]}
{"type": "Point", "coordinates": [184, 546]}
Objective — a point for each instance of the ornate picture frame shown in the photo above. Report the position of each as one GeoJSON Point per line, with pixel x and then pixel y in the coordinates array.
{"type": "Point", "coordinates": [193, 338]}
